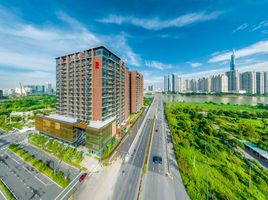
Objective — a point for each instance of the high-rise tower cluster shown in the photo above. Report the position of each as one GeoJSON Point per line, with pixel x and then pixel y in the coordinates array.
{"type": "Point", "coordinates": [172, 83]}
{"type": "Point", "coordinates": [233, 81]}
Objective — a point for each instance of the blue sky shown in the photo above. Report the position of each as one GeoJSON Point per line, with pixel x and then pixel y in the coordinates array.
{"type": "Point", "coordinates": [190, 38]}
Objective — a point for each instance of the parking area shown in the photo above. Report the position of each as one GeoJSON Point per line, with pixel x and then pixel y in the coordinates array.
{"type": "Point", "coordinates": [24, 181]}
{"type": "Point", "coordinates": [39, 154]}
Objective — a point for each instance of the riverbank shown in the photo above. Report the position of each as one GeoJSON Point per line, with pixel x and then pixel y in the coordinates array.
{"type": "Point", "coordinates": [225, 99]}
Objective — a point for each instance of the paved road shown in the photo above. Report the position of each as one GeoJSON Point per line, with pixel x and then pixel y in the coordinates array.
{"type": "Point", "coordinates": [156, 185]}
{"type": "Point", "coordinates": [263, 162]}
{"type": "Point", "coordinates": [127, 184]}
{"type": "Point", "coordinates": [126, 143]}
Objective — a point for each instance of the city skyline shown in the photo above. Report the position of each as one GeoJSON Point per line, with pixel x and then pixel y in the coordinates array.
{"type": "Point", "coordinates": [231, 81]}
{"type": "Point", "coordinates": [36, 37]}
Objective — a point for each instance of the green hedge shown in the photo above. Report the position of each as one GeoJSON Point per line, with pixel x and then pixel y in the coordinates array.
{"type": "Point", "coordinates": [6, 191]}
{"type": "Point", "coordinates": [58, 149]}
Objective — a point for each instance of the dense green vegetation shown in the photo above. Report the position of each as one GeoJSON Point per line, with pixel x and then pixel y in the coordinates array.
{"type": "Point", "coordinates": [148, 101]}
{"type": "Point", "coordinates": [220, 106]}
{"type": "Point", "coordinates": [66, 153]}
{"type": "Point", "coordinates": [6, 191]}
{"type": "Point", "coordinates": [41, 166]}
{"type": "Point", "coordinates": [245, 122]}
{"type": "Point", "coordinates": [217, 128]}
{"type": "Point", "coordinates": [36, 104]}
{"type": "Point", "coordinates": [28, 103]}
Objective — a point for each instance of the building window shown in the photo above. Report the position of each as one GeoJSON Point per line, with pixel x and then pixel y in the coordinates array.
{"type": "Point", "coordinates": [57, 126]}
{"type": "Point", "coordinates": [46, 123]}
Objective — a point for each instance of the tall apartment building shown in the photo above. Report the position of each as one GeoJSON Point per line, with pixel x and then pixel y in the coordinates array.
{"type": "Point", "coordinates": [48, 88]}
{"type": "Point", "coordinates": [166, 83]}
{"type": "Point", "coordinates": [92, 99]}
{"type": "Point", "coordinates": [265, 82]}
{"type": "Point", "coordinates": [193, 85]}
{"type": "Point", "coordinates": [233, 76]}
{"type": "Point", "coordinates": [187, 85]}
{"type": "Point", "coordinates": [233, 81]}
{"type": "Point", "coordinates": [204, 84]}
{"type": "Point", "coordinates": [1, 94]}
{"type": "Point", "coordinates": [248, 82]}
{"type": "Point", "coordinates": [136, 91]}
{"type": "Point", "coordinates": [176, 83]}
{"type": "Point", "coordinates": [150, 88]}
{"type": "Point", "coordinates": [260, 83]}
{"type": "Point", "coordinates": [219, 83]}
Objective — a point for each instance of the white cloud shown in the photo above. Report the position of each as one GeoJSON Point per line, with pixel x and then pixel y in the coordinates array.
{"type": "Point", "coordinates": [123, 49]}
{"type": "Point", "coordinates": [157, 65]}
{"type": "Point", "coordinates": [12, 80]}
{"type": "Point", "coordinates": [194, 64]}
{"type": "Point", "coordinates": [25, 61]}
{"type": "Point", "coordinates": [241, 27]}
{"type": "Point", "coordinates": [260, 25]}
{"type": "Point", "coordinates": [34, 47]}
{"type": "Point", "coordinates": [157, 24]}
{"type": "Point", "coordinates": [153, 80]}
{"type": "Point", "coordinates": [257, 48]}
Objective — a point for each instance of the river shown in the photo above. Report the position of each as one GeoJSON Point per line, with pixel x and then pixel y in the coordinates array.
{"type": "Point", "coordinates": [232, 99]}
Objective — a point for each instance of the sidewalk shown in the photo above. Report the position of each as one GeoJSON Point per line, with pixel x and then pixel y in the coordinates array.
{"type": "Point", "coordinates": [100, 185]}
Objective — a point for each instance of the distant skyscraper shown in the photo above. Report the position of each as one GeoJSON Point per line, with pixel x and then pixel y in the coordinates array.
{"type": "Point", "coordinates": [150, 88]}
{"type": "Point", "coordinates": [260, 82]}
{"type": "Point", "coordinates": [176, 83]}
{"type": "Point", "coordinates": [233, 76]}
{"type": "Point", "coordinates": [204, 84]}
{"type": "Point", "coordinates": [169, 84]}
{"type": "Point", "coordinates": [187, 85]}
{"type": "Point", "coordinates": [248, 82]}
{"type": "Point", "coordinates": [265, 82]}
{"type": "Point", "coordinates": [232, 62]}
{"type": "Point", "coordinates": [193, 85]}
{"type": "Point", "coordinates": [219, 83]}
{"type": "Point", "coordinates": [166, 83]}
{"type": "Point", "coordinates": [48, 88]}
{"type": "Point", "coordinates": [173, 79]}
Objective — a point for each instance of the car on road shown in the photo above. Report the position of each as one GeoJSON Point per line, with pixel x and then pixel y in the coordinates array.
{"type": "Point", "coordinates": [82, 177]}
{"type": "Point", "coordinates": [157, 159]}
{"type": "Point", "coordinates": [123, 172]}
{"type": "Point", "coordinates": [156, 130]}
